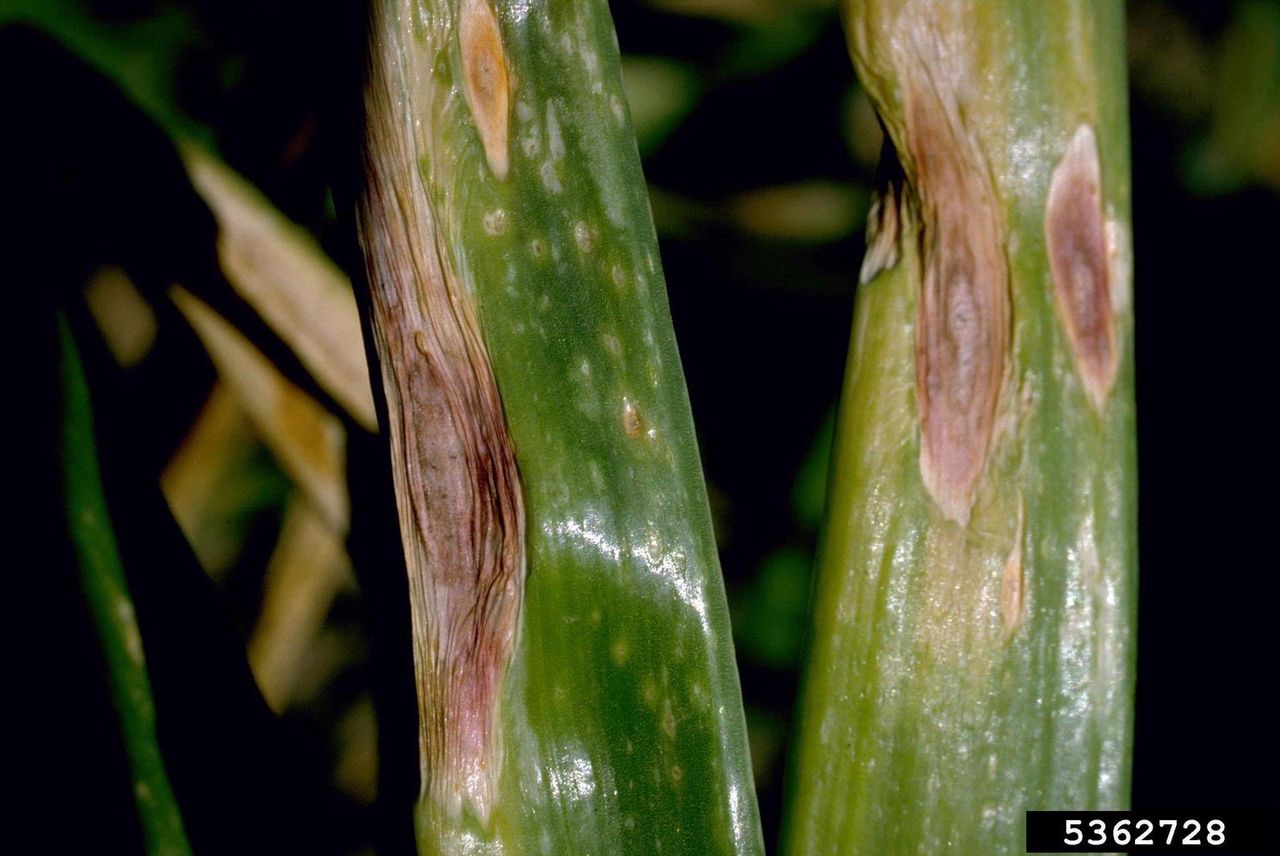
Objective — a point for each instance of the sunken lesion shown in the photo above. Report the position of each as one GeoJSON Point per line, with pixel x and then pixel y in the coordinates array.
{"type": "Point", "coordinates": [457, 484]}
{"type": "Point", "coordinates": [1080, 263]}
{"type": "Point", "coordinates": [964, 316]}
{"type": "Point", "coordinates": [938, 203]}
{"type": "Point", "coordinates": [486, 82]}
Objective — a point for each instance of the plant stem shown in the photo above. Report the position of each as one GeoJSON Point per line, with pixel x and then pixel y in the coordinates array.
{"type": "Point", "coordinates": [972, 650]}
{"type": "Point", "coordinates": [107, 593]}
{"type": "Point", "coordinates": [519, 309]}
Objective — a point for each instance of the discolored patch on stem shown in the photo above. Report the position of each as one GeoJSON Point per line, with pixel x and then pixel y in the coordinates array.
{"type": "Point", "coordinates": [485, 81]}
{"type": "Point", "coordinates": [1013, 581]}
{"type": "Point", "coordinates": [962, 334]}
{"type": "Point", "coordinates": [457, 486]}
{"type": "Point", "coordinates": [1079, 260]}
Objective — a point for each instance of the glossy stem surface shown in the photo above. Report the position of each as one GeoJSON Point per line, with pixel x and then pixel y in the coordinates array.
{"type": "Point", "coordinates": [972, 650]}
{"type": "Point", "coordinates": [619, 714]}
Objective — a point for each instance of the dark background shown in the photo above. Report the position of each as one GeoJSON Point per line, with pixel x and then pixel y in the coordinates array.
{"type": "Point", "coordinates": [759, 151]}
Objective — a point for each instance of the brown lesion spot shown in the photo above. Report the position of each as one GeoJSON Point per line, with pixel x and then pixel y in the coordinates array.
{"type": "Point", "coordinates": [1076, 239]}
{"type": "Point", "coordinates": [964, 318]}
{"type": "Point", "coordinates": [485, 80]}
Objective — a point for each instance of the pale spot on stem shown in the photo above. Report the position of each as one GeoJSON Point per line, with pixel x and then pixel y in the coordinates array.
{"type": "Point", "coordinates": [612, 345]}
{"type": "Point", "coordinates": [632, 423]}
{"type": "Point", "coordinates": [584, 236]}
{"type": "Point", "coordinates": [1013, 580]}
{"type": "Point", "coordinates": [550, 179]}
{"type": "Point", "coordinates": [620, 651]}
{"type": "Point", "coordinates": [495, 222]}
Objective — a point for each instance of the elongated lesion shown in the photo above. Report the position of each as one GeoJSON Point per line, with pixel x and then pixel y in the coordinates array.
{"type": "Point", "coordinates": [457, 485]}
{"type": "Point", "coordinates": [962, 332]}
{"type": "Point", "coordinates": [918, 62]}
{"type": "Point", "coordinates": [1079, 259]}
{"type": "Point", "coordinates": [485, 80]}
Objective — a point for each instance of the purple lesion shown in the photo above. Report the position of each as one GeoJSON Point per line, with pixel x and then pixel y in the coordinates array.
{"type": "Point", "coordinates": [468, 524]}
{"type": "Point", "coordinates": [1075, 236]}
{"type": "Point", "coordinates": [457, 483]}
{"type": "Point", "coordinates": [964, 317]}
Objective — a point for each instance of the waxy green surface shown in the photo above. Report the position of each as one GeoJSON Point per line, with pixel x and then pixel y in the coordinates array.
{"type": "Point", "coordinates": [932, 716]}
{"type": "Point", "coordinates": [621, 713]}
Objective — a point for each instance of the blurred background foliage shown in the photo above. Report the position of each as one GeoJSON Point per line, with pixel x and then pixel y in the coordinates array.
{"type": "Point", "coordinates": [759, 150]}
